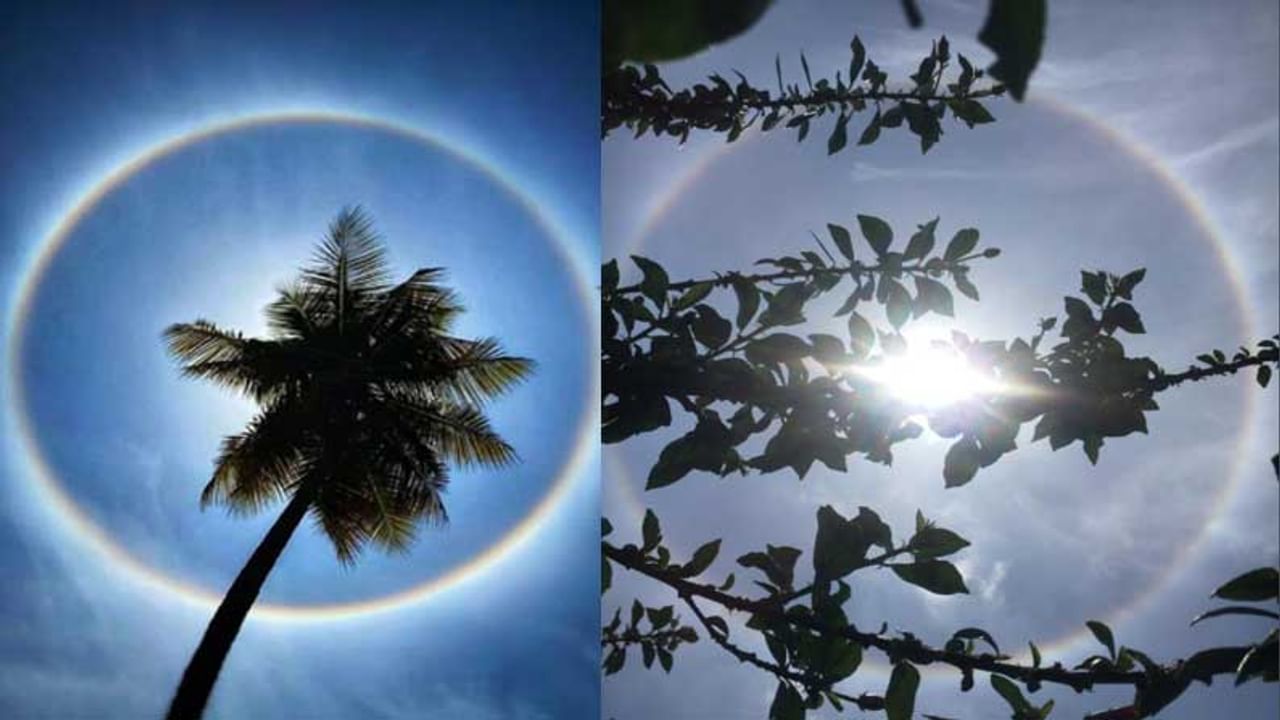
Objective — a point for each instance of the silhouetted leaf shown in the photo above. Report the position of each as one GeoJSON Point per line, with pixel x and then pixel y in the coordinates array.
{"type": "Point", "coordinates": [970, 111]}
{"type": "Point", "coordinates": [900, 697]}
{"type": "Point", "coordinates": [1103, 634]}
{"type": "Point", "coordinates": [841, 545]}
{"type": "Point", "coordinates": [962, 243]}
{"type": "Point", "coordinates": [653, 32]}
{"type": "Point", "coordinates": [674, 462]}
{"type": "Point", "coordinates": [1014, 30]}
{"type": "Point", "coordinates": [655, 281]}
{"type": "Point", "coordinates": [922, 242]}
{"type": "Point", "coordinates": [923, 122]}
{"type": "Point", "coordinates": [650, 531]}
{"type": "Point", "coordinates": [1080, 322]}
{"type": "Point", "coordinates": [1011, 695]}
{"type": "Point", "coordinates": [778, 563]}
{"type": "Point", "coordinates": [827, 349]}
{"type": "Point", "coordinates": [897, 302]}
{"type": "Point", "coordinates": [877, 232]}
{"type": "Point", "coordinates": [962, 462]}
{"type": "Point", "coordinates": [933, 295]}
{"type": "Point", "coordinates": [844, 242]}
{"type": "Point", "coordinates": [1235, 610]}
{"type": "Point", "coordinates": [709, 328]}
{"type": "Point", "coordinates": [935, 542]}
{"type": "Point", "coordinates": [1092, 444]}
{"type": "Point", "coordinates": [937, 576]}
{"type": "Point", "coordinates": [965, 287]}
{"type": "Point", "coordinates": [871, 132]}
{"type": "Point", "coordinates": [702, 559]}
{"type": "Point", "coordinates": [801, 122]}
{"type": "Point", "coordinates": [787, 704]}
{"type": "Point", "coordinates": [1260, 660]}
{"type": "Point", "coordinates": [748, 300]}
{"type": "Point", "coordinates": [973, 633]}
{"type": "Point", "coordinates": [665, 659]}
{"type": "Point", "coordinates": [776, 348]}
{"type": "Point", "coordinates": [1125, 287]}
{"type": "Point", "coordinates": [1094, 284]}
{"type": "Point", "coordinates": [692, 296]}
{"type": "Point", "coordinates": [661, 617]}
{"type": "Point", "coordinates": [862, 337]}
{"type": "Point", "coordinates": [786, 307]}
{"type": "Point", "coordinates": [616, 659]}
{"type": "Point", "coordinates": [609, 277]}
{"type": "Point", "coordinates": [839, 135]}
{"type": "Point", "coordinates": [843, 660]}
{"type": "Point", "coordinates": [894, 116]}
{"type": "Point", "coordinates": [859, 57]}
{"type": "Point", "coordinates": [1253, 586]}
{"type": "Point", "coordinates": [1124, 316]}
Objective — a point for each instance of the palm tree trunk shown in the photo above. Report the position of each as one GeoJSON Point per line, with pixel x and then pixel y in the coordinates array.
{"type": "Point", "coordinates": [201, 673]}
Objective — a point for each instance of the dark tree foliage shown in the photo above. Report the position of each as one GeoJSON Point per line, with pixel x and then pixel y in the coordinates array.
{"type": "Point", "coordinates": [730, 351]}
{"type": "Point", "coordinates": [365, 396]}
{"type": "Point", "coordinates": [642, 31]}
{"type": "Point", "coordinates": [643, 102]}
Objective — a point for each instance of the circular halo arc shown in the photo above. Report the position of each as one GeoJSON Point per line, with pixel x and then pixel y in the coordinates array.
{"type": "Point", "coordinates": [666, 200]}
{"type": "Point", "coordinates": [69, 515]}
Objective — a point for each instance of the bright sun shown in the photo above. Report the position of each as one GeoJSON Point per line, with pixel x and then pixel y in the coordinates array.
{"type": "Point", "coordinates": [930, 377]}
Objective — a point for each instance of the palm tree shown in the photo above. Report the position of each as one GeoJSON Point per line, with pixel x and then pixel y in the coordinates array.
{"type": "Point", "coordinates": [364, 397]}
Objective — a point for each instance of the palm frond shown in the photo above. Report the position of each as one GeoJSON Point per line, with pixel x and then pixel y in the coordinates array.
{"type": "Point", "coordinates": [212, 353]}
{"type": "Point", "coordinates": [417, 307]}
{"type": "Point", "coordinates": [298, 312]}
{"type": "Point", "coordinates": [405, 463]}
{"type": "Point", "coordinates": [379, 493]}
{"type": "Point", "coordinates": [202, 341]}
{"type": "Point", "coordinates": [337, 514]}
{"type": "Point", "coordinates": [460, 433]}
{"type": "Point", "coordinates": [259, 369]}
{"type": "Point", "coordinates": [260, 465]}
{"type": "Point", "coordinates": [367, 398]}
{"type": "Point", "coordinates": [350, 263]}
{"type": "Point", "coordinates": [388, 525]}
{"type": "Point", "coordinates": [478, 369]}
{"type": "Point", "coordinates": [458, 371]}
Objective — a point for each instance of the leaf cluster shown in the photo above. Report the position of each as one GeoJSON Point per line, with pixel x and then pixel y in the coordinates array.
{"type": "Point", "coordinates": [666, 342]}
{"type": "Point", "coordinates": [642, 101]}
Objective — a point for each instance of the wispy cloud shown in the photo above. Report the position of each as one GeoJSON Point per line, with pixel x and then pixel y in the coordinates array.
{"type": "Point", "coordinates": [865, 172]}
{"type": "Point", "coordinates": [1231, 142]}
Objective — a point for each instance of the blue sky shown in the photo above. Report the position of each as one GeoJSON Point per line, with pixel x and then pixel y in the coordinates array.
{"type": "Point", "coordinates": [208, 231]}
{"type": "Point", "coordinates": [1149, 140]}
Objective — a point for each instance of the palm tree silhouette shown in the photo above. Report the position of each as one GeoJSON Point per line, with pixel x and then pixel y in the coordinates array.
{"type": "Point", "coordinates": [364, 397]}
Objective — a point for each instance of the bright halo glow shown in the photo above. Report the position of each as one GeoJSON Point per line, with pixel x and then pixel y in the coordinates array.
{"type": "Point", "coordinates": [930, 376]}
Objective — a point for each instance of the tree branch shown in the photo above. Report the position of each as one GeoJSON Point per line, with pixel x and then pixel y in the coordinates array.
{"type": "Point", "coordinates": [863, 702]}
{"type": "Point", "coordinates": [898, 649]}
{"type": "Point", "coordinates": [727, 279]}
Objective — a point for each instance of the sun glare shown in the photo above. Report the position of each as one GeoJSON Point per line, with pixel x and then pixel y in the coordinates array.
{"type": "Point", "coordinates": [930, 377]}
